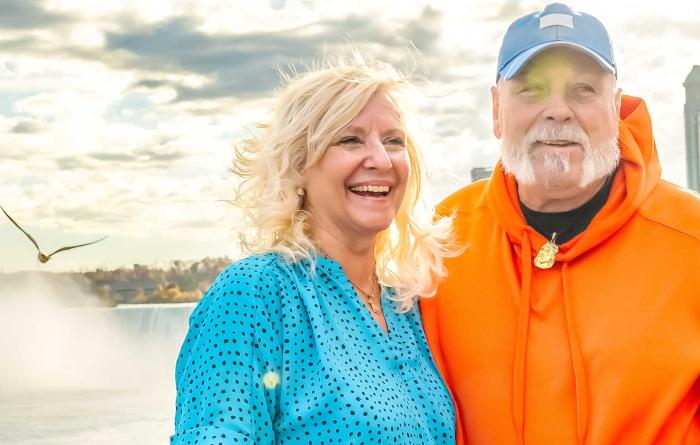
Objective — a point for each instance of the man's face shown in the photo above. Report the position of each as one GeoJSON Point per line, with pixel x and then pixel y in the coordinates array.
{"type": "Point", "coordinates": [557, 120]}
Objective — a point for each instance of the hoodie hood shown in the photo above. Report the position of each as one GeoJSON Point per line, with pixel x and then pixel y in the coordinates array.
{"type": "Point", "coordinates": [639, 172]}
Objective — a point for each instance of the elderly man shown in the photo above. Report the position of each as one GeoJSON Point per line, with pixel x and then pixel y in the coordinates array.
{"type": "Point", "coordinates": [573, 315]}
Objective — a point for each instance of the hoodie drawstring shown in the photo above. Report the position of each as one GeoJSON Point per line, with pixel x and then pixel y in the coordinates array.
{"type": "Point", "coordinates": [577, 359]}
{"type": "Point", "coordinates": [521, 337]}
{"type": "Point", "coordinates": [521, 348]}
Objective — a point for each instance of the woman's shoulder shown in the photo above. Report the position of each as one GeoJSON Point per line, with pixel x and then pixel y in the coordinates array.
{"type": "Point", "coordinates": [246, 282]}
{"type": "Point", "coordinates": [253, 264]}
{"type": "Point", "coordinates": [251, 270]}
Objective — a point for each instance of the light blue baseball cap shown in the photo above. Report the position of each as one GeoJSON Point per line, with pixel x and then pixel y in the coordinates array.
{"type": "Point", "coordinates": [556, 25]}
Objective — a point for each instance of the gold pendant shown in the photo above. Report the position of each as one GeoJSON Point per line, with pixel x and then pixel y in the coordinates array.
{"type": "Point", "coordinates": [547, 255]}
{"type": "Point", "coordinates": [370, 300]}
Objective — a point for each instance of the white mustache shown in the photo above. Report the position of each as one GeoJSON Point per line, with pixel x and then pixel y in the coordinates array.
{"type": "Point", "coordinates": [554, 132]}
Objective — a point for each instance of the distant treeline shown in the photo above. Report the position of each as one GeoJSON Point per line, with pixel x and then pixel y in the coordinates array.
{"type": "Point", "coordinates": [179, 282]}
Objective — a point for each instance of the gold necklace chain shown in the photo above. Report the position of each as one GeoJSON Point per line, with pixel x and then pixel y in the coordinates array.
{"type": "Point", "coordinates": [370, 295]}
{"type": "Point", "coordinates": [374, 307]}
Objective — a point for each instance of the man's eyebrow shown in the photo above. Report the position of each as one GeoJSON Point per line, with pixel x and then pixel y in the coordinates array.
{"type": "Point", "coordinates": [588, 77]}
{"type": "Point", "coordinates": [526, 79]}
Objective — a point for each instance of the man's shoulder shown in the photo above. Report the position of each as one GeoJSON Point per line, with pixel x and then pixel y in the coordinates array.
{"type": "Point", "coordinates": [674, 207]}
{"type": "Point", "coordinates": [464, 200]}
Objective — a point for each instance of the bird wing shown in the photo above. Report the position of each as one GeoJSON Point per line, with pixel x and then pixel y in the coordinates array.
{"type": "Point", "coordinates": [73, 247]}
{"type": "Point", "coordinates": [17, 225]}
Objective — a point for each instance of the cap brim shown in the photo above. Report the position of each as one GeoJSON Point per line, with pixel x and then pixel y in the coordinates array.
{"type": "Point", "coordinates": [512, 68]}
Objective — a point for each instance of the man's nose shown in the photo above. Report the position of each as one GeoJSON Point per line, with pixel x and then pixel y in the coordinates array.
{"type": "Point", "coordinates": [557, 109]}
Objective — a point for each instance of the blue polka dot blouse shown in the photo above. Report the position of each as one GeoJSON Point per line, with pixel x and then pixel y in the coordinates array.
{"type": "Point", "coordinates": [277, 355]}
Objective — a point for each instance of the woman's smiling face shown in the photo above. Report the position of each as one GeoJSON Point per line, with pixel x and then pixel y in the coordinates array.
{"type": "Point", "coordinates": [358, 185]}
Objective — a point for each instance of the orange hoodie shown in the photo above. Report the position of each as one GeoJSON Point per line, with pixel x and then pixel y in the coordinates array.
{"type": "Point", "coordinates": [604, 347]}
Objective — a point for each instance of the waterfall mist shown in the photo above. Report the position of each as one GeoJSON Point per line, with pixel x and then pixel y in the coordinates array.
{"type": "Point", "coordinates": [84, 375]}
{"type": "Point", "coordinates": [46, 345]}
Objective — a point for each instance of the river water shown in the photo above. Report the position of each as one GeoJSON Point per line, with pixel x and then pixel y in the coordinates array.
{"type": "Point", "coordinates": [89, 375]}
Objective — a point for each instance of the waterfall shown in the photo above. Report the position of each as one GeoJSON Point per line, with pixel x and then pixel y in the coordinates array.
{"type": "Point", "coordinates": [47, 346]}
{"type": "Point", "coordinates": [85, 375]}
{"type": "Point", "coordinates": [152, 325]}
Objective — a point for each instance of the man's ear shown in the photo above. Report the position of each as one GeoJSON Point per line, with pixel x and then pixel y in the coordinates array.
{"type": "Point", "coordinates": [618, 101]}
{"type": "Point", "coordinates": [495, 102]}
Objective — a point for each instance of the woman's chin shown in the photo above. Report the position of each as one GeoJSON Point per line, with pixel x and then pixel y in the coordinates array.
{"type": "Point", "coordinates": [374, 226]}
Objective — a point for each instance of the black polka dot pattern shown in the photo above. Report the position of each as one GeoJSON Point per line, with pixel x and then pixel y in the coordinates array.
{"type": "Point", "coordinates": [277, 355]}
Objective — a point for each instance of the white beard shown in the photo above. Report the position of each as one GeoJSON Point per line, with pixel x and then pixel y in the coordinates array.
{"type": "Point", "coordinates": [598, 161]}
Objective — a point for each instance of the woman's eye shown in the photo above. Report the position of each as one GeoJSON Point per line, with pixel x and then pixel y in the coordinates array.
{"type": "Point", "coordinates": [394, 143]}
{"type": "Point", "coordinates": [349, 140]}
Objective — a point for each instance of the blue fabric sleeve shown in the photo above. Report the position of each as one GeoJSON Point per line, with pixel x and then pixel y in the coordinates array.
{"type": "Point", "coordinates": [228, 370]}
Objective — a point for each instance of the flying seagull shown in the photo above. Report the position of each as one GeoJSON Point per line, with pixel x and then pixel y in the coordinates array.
{"type": "Point", "coordinates": [42, 256]}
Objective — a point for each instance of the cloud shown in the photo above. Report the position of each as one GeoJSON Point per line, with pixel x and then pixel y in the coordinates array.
{"type": "Point", "coordinates": [121, 203]}
{"type": "Point", "coordinates": [20, 44]}
{"type": "Point", "coordinates": [150, 83]}
{"type": "Point", "coordinates": [144, 157]}
{"type": "Point", "coordinates": [234, 66]}
{"type": "Point", "coordinates": [70, 163]}
{"type": "Point", "coordinates": [29, 15]}
{"type": "Point", "coordinates": [245, 65]}
{"type": "Point", "coordinates": [655, 26]}
{"type": "Point", "coordinates": [511, 10]}
{"type": "Point", "coordinates": [28, 126]}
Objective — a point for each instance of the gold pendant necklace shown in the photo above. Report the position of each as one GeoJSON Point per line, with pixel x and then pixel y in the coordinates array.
{"type": "Point", "coordinates": [370, 296]}
{"type": "Point", "coordinates": [374, 307]}
{"type": "Point", "coordinates": [547, 255]}
{"type": "Point", "coordinates": [370, 300]}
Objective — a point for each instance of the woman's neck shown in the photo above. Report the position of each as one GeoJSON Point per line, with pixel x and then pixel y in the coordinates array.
{"type": "Point", "coordinates": [355, 256]}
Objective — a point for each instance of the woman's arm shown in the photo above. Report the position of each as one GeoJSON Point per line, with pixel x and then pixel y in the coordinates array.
{"type": "Point", "coordinates": [228, 372]}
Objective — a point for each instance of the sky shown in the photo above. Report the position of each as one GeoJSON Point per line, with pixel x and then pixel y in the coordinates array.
{"type": "Point", "coordinates": [119, 118]}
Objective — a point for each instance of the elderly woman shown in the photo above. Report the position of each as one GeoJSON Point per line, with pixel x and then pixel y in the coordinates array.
{"type": "Point", "coordinates": [315, 338]}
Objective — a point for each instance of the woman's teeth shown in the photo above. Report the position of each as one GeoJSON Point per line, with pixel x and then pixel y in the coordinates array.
{"type": "Point", "coordinates": [370, 190]}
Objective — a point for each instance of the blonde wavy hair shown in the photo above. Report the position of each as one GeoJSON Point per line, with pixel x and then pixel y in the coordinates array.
{"type": "Point", "coordinates": [310, 112]}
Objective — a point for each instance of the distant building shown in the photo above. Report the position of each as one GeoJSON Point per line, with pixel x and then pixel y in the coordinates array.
{"type": "Point", "coordinates": [692, 127]}
{"type": "Point", "coordinates": [127, 291]}
{"type": "Point", "coordinates": [481, 173]}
